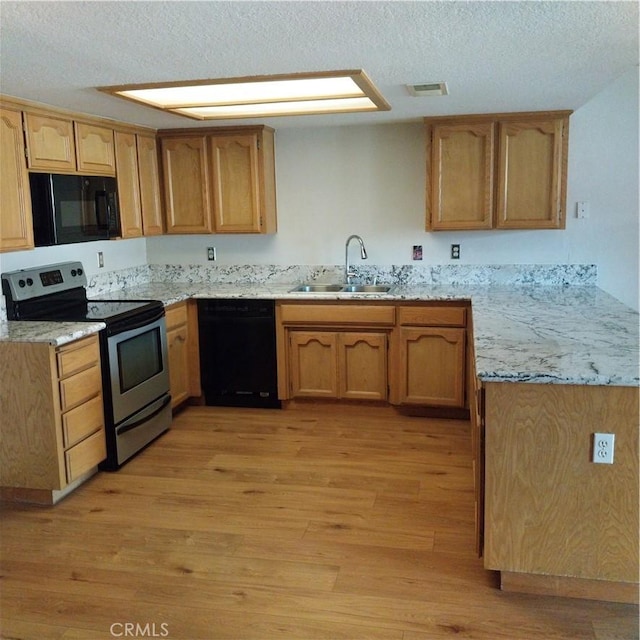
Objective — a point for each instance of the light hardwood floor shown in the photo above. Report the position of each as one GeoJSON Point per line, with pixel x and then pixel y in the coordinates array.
{"type": "Point", "coordinates": [309, 523]}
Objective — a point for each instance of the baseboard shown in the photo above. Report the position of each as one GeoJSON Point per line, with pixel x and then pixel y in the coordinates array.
{"type": "Point", "coordinates": [583, 588]}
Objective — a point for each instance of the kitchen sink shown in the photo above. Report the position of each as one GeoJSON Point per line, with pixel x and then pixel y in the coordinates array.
{"type": "Point", "coordinates": [365, 288]}
{"type": "Point", "coordinates": [341, 288]}
{"type": "Point", "coordinates": [318, 288]}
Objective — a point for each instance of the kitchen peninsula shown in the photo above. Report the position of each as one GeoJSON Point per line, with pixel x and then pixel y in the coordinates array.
{"type": "Point", "coordinates": [554, 364]}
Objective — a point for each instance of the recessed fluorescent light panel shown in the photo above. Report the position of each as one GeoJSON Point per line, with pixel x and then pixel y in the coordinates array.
{"type": "Point", "coordinates": [260, 96]}
{"type": "Point", "coordinates": [428, 89]}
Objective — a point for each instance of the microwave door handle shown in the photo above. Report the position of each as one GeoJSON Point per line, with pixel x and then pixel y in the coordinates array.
{"type": "Point", "coordinates": [102, 213]}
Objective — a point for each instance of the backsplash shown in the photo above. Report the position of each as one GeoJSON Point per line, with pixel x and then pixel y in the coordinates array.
{"type": "Point", "coordinates": [553, 275]}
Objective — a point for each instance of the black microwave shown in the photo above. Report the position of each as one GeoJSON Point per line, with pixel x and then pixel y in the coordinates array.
{"type": "Point", "coordinates": [70, 209]}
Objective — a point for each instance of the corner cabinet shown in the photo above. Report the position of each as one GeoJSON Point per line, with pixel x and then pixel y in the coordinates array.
{"type": "Point", "coordinates": [503, 171]}
{"type": "Point", "coordinates": [16, 227]}
{"type": "Point", "coordinates": [219, 180]}
{"type": "Point", "coordinates": [138, 184]}
{"type": "Point", "coordinates": [182, 341]}
{"type": "Point", "coordinates": [56, 438]}
{"type": "Point", "coordinates": [431, 356]}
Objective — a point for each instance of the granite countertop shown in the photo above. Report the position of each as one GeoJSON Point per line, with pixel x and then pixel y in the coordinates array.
{"type": "Point", "coordinates": [522, 333]}
{"type": "Point", "coordinates": [55, 333]}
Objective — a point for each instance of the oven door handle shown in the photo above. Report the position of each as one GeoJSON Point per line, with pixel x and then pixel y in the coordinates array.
{"type": "Point", "coordinates": [128, 427]}
{"type": "Point", "coordinates": [142, 320]}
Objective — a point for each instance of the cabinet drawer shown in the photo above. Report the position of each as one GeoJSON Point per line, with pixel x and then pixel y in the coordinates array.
{"type": "Point", "coordinates": [79, 388]}
{"type": "Point", "coordinates": [85, 455]}
{"type": "Point", "coordinates": [337, 314]}
{"type": "Point", "coordinates": [432, 316]}
{"type": "Point", "coordinates": [82, 421]}
{"type": "Point", "coordinates": [78, 356]}
{"type": "Point", "coordinates": [176, 315]}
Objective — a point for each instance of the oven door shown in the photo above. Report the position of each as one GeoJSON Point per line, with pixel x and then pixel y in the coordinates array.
{"type": "Point", "coordinates": [138, 367]}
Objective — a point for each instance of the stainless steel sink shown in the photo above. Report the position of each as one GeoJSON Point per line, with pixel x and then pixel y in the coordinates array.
{"type": "Point", "coordinates": [365, 288]}
{"type": "Point", "coordinates": [341, 288]}
{"type": "Point", "coordinates": [318, 288]}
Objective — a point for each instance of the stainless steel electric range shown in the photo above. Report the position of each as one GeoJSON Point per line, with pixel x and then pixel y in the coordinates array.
{"type": "Point", "coordinates": [133, 349]}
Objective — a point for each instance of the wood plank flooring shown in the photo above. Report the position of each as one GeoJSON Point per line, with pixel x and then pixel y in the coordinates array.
{"type": "Point", "coordinates": [311, 523]}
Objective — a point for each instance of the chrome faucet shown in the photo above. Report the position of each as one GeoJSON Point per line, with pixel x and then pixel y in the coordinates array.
{"type": "Point", "coordinates": [348, 274]}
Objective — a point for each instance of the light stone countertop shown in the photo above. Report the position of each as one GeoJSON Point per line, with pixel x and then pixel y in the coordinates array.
{"type": "Point", "coordinates": [55, 333]}
{"type": "Point", "coordinates": [523, 333]}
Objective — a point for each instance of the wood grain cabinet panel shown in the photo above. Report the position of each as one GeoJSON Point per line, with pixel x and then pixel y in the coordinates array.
{"type": "Point", "coordinates": [505, 171]}
{"type": "Point", "coordinates": [149, 174]}
{"type": "Point", "coordinates": [530, 176]}
{"type": "Point", "coordinates": [220, 180]}
{"type": "Point", "coordinates": [95, 149]}
{"type": "Point", "coordinates": [462, 160]}
{"type": "Point", "coordinates": [432, 365]}
{"type": "Point", "coordinates": [128, 184]}
{"type": "Point", "coordinates": [182, 340]}
{"type": "Point", "coordinates": [52, 430]}
{"type": "Point", "coordinates": [185, 166]}
{"type": "Point", "coordinates": [51, 143]}
{"type": "Point", "coordinates": [313, 364]}
{"type": "Point", "coordinates": [16, 227]}
{"type": "Point", "coordinates": [549, 510]}
{"type": "Point", "coordinates": [363, 365]}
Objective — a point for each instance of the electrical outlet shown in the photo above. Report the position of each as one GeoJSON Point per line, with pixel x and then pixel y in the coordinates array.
{"type": "Point", "coordinates": [100, 259]}
{"type": "Point", "coordinates": [417, 252]}
{"type": "Point", "coordinates": [582, 210]}
{"type": "Point", "coordinates": [603, 448]}
{"type": "Point", "coordinates": [455, 252]}
{"type": "Point", "coordinates": [211, 253]}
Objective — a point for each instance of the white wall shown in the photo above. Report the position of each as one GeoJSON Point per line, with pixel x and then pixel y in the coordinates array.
{"type": "Point", "coordinates": [603, 171]}
{"type": "Point", "coordinates": [118, 254]}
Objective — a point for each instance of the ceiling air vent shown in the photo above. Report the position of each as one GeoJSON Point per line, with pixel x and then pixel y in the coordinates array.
{"type": "Point", "coordinates": [428, 89]}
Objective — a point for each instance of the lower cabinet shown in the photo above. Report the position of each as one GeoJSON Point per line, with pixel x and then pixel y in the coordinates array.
{"type": "Point", "coordinates": [431, 356]}
{"type": "Point", "coordinates": [406, 355]}
{"type": "Point", "coordinates": [52, 430]}
{"type": "Point", "coordinates": [182, 341]}
{"type": "Point", "coordinates": [333, 364]}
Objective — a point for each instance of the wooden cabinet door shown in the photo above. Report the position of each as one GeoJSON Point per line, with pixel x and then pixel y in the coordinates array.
{"type": "Point", "coordinates": [51, 143]}
{"type": "Point", "coordinates": [128, 185]}
{"type": "Point", "coordinates": [235, 183]}
{"type": "Point", "coordinates": [149, 185]}
{"type": "Point", "coordinates": [432, 363]}
{"type": "Point", "coordinates": [177, 339]}
{"type": "Point", "coordinates": [460, 177]}
{"type": "Point", "coordinates": [532, 163]}
{"type": "Point", "coordinates": [363, 365]}
{"type": "Point", "coordinates": [16, 227]}
{"type": "Point", "coordinates": [313, 365]}
{"type": "Point", "coordinates": [186, 185]}
{"type": "Point", "coordinates": [95, 149]}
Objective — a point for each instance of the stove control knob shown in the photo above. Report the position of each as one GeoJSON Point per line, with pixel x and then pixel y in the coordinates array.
{"type": "Point", "coordinates": [73, 273]}
{"type": "Point", "coordinates": [21, 283]}
{"type": "Point", "coordinates": [29, 282]}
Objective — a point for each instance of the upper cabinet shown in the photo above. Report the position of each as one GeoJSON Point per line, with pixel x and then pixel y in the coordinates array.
{"type": "Point", "coordinates": [148, 172]}
{"type": "Point", "coordinates": [95, 149]}
{"type": "Point", "coordinates": [50, 143]}
{"type": "Point", "coordinates": [16, 228]}
{"type": "Point", "coordinates": [187, 199]}
{"type": "Point", "coordinates": [138, 184]}
{"type": "Point", "coordinates": [505, 171]}
{"type": "Point", "coordinates": [219, 180]}
{"type": "Point", "coordinates": [60, 145]}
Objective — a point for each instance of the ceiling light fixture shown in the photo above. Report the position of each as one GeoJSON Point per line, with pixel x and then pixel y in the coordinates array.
{"type": "Point", "coordinates": [428, 89]}
{"type": "Point", "coordinates": [260, 96]}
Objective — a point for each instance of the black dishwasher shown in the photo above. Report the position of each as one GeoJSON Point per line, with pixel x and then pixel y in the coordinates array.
{"type": "Point", "coordinates": [238, 352]}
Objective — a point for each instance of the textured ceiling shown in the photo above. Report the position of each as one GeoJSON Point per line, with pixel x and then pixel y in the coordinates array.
{"type": "Point", "coordinates": [495, 56]}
